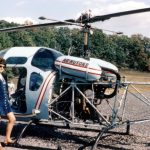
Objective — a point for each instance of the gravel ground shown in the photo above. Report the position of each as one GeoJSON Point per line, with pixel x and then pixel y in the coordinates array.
{"type": "Point", "coordinates": [48, 138]}
{"type": "Point", "coordinates": [44, 138]}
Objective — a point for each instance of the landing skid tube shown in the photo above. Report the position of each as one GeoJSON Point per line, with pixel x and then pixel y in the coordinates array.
{"type": "Point", "coordinates": [22, 132]}
{"type": "Point", "coordinates": [99, 136]}
{"type": "Point", "coordinates": [17, 144]}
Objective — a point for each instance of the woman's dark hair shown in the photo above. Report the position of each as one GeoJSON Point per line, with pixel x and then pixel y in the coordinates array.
{"type": "Point", "coordinates": [2, 61]}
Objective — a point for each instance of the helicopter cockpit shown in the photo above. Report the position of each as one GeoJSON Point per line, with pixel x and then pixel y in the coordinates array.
{"type": "Point", "coordinates": [17, 76]}
{"type": "Point", "coordinates": [27, 72]}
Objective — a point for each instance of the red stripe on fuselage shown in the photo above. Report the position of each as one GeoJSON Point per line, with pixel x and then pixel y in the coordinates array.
{"type": "Point", "coordinates": [43, 89]}
{"type": "Point", "coordinates": [82, 70]}
{"type": "Point", "coordinates": [77, 66]}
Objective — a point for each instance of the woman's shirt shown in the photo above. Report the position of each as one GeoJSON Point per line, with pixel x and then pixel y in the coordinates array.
{"type": "Point", "coordinates": [4, 103]}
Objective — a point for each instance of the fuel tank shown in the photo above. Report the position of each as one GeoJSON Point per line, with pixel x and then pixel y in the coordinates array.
{"type": "Point", "coordinates": [89, 70]}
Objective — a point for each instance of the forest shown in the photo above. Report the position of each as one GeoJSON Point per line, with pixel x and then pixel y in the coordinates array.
{"type": "Point", "coordinates": [123, 51]}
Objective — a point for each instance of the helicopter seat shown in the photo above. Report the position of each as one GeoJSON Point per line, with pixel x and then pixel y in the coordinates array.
{"type": "Point", "coordinates": [19, 102]}
{"type": "Point", "coordinates": [19, 98]}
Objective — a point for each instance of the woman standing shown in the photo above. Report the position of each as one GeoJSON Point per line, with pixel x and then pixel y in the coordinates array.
{"type": "Point", "coordinates": [5, 109]}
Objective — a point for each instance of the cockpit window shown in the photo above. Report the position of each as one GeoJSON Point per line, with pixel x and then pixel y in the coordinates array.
{"type": "Point", "coordinates": [16, 60]}
{"type": "Point", "coordinates": [2, 52]}
{"type": "Point", "coordinates": [57, 54]}
{"type": "Point", "coordinates": [35, 81]}
{"type": "Point", "coordinates": [43, 59]}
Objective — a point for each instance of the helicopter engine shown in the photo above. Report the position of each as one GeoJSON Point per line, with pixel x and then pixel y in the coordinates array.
{"type": "Point", "coordinates": [94, 94]}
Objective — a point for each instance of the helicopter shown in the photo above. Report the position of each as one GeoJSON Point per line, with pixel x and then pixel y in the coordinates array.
{"type": "Point", "coordinates": [64, 90]}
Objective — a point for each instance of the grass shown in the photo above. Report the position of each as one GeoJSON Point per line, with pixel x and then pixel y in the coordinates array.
{"type": "Point", "coordinates": [136, 76]}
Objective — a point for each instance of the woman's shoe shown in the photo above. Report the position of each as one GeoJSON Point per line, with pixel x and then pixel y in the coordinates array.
{"type": "Point", "coordinates": [10, 143]}
{"type": "Point", "coordinates": [1, 147]}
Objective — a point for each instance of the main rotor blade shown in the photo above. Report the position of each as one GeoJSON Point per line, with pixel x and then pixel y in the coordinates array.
{"type": "Point", "coordinates": [60, 23]}
{"type": "Point", "coordinates": [105, 17]}
{"type": "Point", "coordinates": [72, 22]}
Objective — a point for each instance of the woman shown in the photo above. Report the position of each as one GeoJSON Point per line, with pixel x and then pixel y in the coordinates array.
{"type": "Point", "coordinates": [5, 109]}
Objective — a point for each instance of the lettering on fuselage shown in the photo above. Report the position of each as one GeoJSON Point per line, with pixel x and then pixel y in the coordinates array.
{"type": "Point", "coordinates": [76, 63]}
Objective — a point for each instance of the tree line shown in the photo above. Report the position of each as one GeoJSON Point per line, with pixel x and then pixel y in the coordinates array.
{"type": "Point", "coordinates": [125, 52]}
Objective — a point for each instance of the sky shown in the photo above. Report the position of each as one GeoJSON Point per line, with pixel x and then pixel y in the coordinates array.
{"type": "Point", "coordinates": [20, 10]}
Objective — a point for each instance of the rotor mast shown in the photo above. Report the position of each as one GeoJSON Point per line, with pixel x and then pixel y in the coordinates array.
{"type": "Point", "coordinates": [86, 52]}
{"type": "Point", "coordinates": [86, 31]}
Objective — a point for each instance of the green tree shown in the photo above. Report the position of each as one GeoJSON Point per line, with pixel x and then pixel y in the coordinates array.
{"type": "Point", "coordinates": [121, 46]}
{"type": "Point", "coordinates": [76, 42]}
{"type": "Point", "coordinates": [5, 41]}
{"type": "Point", "coordinates": [21, 38]}
{"type": "Point", "coordinates": [63, 39]}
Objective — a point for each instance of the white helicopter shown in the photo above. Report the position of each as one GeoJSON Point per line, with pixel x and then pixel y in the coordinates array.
{"type": "Point", "coordinates": [64, 90]}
